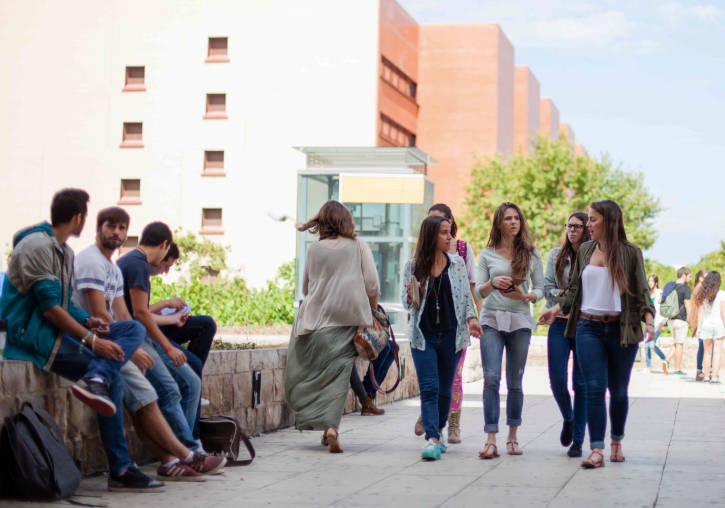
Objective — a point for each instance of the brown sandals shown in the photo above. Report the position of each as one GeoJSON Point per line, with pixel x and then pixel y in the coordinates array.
{"type": "Point", "coordinates": [512, 448]}
{"type": "Point", "coordinates": [332, 440]}
{"type": "Point", "coordinates": [595, 460]}
{"type": "Point", "coordinates": [616, 452]}
{"type": "Point", "coordinates": [489, 452]}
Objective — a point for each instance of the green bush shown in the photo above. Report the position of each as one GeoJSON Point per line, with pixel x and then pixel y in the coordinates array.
{"type": "Point", "coordinates": [226, 297]}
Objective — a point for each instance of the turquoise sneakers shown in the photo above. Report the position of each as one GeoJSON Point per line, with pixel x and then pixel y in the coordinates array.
{"type": "Point", "coordinates": [431, 451]}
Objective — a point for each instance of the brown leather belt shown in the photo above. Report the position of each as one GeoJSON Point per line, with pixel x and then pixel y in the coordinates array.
{"type": "Point", "coordinates": [600, 319]}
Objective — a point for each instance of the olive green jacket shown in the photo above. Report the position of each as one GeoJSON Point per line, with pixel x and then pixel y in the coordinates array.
{"type": "Point", "coordinates": [634, 304]}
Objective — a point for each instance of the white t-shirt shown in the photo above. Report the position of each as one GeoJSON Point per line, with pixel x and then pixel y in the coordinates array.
{"type": "Point", "coordinates": [92, 270]}
{"type": "Point", "coordinates": [711, 311]}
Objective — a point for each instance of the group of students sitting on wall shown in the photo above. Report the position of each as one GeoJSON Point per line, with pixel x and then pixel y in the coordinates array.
{"type": "Point", "coordinates": [91, 321]}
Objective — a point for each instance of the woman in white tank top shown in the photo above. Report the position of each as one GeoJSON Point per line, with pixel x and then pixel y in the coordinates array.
{"type": "Point", "coordinates": [710, 313]}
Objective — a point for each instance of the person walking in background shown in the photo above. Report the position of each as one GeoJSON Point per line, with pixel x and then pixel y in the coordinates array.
{"type": "Point", "coordinates": [708, 319]}
{"type": "Point", "coordinates": [677, 318]}
{"type": "Point", "coordinates": [699, 376]}
{"type": "Point", "coordinates": [340, 287]}
{"type": "Point", "coordinates": [655, 294]}
{"type": "Point", "coordinates": [607, 300]}
{"type": "Point", "coordinates": [558, 346]}
{"type": "Point", "coordinates": [442, 318]}
{"type": "Point", "coordinates": [465, 251]}
{"type": "Point", "coordinates": [365, 389]}
{"type": "Point", "coordinates": [504, 269]}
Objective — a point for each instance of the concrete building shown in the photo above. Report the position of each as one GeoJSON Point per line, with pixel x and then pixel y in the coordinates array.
{"type": "Point", "coordinates": [188, 112]}
{"type": "Point", "coordinates": [526, 108]}
{"type": "Point", "coordinates": [549, 118]}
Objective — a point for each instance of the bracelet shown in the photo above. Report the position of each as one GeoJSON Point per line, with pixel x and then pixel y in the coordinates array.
{"type": "Point", "coordinates": [93, 342]}
{"type": "Point", "coordinates": [87, 336]}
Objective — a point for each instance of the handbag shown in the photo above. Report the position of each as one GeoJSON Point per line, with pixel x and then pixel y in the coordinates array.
{"type": "Point", "coordinates": [371, 340]}
{"type": "Point", "coordinates": [220, 435]}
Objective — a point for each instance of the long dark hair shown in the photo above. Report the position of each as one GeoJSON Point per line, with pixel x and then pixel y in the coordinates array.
{"type": "Point", "coordinates": [425, 251]}
{"type": "Point", "coordinates": [446, 211]}
{"type": "Point", "coordinates": [523, 243]}
{"type": "Point", "coordinates": [710, 287]}
{"type": "Point", "coordinates": [567, 251]}
{"type": "Point", "coordinates": [614, 237]}
{"type": "Point", "coordinates": [333, 220]}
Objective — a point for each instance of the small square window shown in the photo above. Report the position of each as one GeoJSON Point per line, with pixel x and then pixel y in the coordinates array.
{"type": "Point", "coordinates": [214, 163]}
{"type": "Point", "coordinates": [211, 221]}
{"type": "Point", "coordinates": [130, 192]}
{"type": "Point", "coordinates": [130, 244]}
{"type": "Point", "coordinates": [218, 49]}
{"type": "Point", "coordinates": [132, 135]}
{"type": "Point", "coordinates": [135, 79]}
{"type": "Point", "coordinates": [216, 105]}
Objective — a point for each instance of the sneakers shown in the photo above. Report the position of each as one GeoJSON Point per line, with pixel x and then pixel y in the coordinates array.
{"type": "Point", "coordinates": [442, 444]}
{"type": "Point", "coordinates": [679, 373]}
{"type": "Point", "coordinates": [369, 408]}
{"type": "Point", "coordinates": [575, 450]}
{"type": "Point", "coordinates": [419, 430]}
{"type": "Point", "coordinates": [207, 464]}
{"type": "Point", "coordinates": [567, 433]}
{"type": "Point", "coordinates": [700, 376]}
{"type": "Point", "coordinates": [94, 393]}
{"type": "Point", "coordinates": [431, 452]}
{"type": "Point", "coordinates": [133, 480]}
{"type": "Point", "coordinates": [178, 472]}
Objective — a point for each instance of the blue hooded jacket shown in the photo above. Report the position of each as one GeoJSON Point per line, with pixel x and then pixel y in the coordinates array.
{"type": "Point", "coordinates": [39, 277]}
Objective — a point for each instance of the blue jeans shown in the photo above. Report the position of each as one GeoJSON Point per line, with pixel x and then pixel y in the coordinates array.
{"type": "Point", "coordinates": [436, 367]}
{"type": "Point", "coordinates": [649, 347]}
{"type": "Point", "coordinates": [700, 355]}
{"type": "Point", "coordinates": [169, 397]}
{"type": "Point", "coordinates": [188, 382]}
{"type": "Point", "coordinates": [72, 364]}
{"type": "Point", "coordinates": [606, 364]}
{"type": "Point", "coordinates": [517, 349]}
{"type": "Point", "coordinates": [381, 365]}
{"type": "Point", "coordinates": [558, 348]}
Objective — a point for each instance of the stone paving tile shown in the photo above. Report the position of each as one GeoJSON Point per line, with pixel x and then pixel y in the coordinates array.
{"type": "Point", "coordinates": [674, 448]}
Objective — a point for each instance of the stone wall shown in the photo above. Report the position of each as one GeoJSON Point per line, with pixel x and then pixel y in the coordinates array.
{"type": "Point", "coordinates": [227, 384]}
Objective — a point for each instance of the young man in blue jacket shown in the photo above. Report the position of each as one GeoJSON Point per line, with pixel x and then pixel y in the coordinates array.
{"type": "Point", "coordinates": [46, 328]}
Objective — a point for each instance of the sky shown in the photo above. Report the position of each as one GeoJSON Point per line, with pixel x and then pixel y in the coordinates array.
{"type": "Point", "coordinates": [642, 81]}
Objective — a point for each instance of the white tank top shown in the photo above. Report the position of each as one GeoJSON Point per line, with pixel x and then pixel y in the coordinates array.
{"type": "Point", "coordinates": [598, 296]}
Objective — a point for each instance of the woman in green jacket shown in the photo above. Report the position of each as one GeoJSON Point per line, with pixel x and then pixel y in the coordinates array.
{"type": "Point", "coordinates": [607, 300]}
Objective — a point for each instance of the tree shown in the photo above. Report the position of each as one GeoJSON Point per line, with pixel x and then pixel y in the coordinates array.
{"type": "Point", "coordinates": [714, 260]}
{"type": "Point", "coordinates": [548, 185]}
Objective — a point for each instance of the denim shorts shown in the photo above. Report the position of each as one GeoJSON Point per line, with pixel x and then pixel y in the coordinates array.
{"type": "Point", "coordinates": [137, 392]}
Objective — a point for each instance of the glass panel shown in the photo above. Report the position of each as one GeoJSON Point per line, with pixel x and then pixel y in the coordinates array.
{"type": "Point", "coordinates": [387, 257]}
{"type": "Point", "coordinates": [377, 219]}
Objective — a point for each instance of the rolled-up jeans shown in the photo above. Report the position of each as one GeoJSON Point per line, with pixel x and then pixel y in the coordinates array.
{"type": "Point", "coordinates": [606, 364]}
{"type": "Point", "coordinates": [493, 343]}
{"type": "Point", "coordinates": [188, 383]}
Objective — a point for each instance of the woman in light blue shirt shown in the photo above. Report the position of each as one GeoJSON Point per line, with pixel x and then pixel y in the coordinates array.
{"type": "Point", "coordinates": [504, 269]}
{"type": "Point", "coordinates": [559, 347]}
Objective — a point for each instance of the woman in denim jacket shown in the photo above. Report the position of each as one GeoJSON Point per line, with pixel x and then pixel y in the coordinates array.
{"type": "Point", "coordinates": [442, 316]}
{"type": "Point", "coordinates": [558, 346]}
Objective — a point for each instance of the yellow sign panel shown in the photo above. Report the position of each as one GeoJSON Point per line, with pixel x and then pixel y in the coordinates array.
{"type": "Point", "coordinates": [382, 189]}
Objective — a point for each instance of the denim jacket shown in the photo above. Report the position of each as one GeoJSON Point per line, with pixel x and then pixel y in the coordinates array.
{"type": "Point", "coordinates": [462, 303]}
{"type": "Point", "coordinates": [552, 289]}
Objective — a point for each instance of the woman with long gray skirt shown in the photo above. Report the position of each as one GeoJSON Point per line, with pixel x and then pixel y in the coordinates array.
{"type": "Point", "coordinates": [340, 287]}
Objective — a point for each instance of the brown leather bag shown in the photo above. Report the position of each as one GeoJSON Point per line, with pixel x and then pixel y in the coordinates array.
{"type": "Point", "coordinates": [220, 435]}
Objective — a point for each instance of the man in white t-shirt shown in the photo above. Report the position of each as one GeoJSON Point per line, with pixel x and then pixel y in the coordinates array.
{"type": "Point", "coordinates": [98, 288]}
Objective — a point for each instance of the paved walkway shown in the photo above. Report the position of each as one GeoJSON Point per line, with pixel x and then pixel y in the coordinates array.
{"type": "Point", "coordinates": [674, 446]}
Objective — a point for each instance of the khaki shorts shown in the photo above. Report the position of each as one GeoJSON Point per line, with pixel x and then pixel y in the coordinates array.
{"type": "Point", "coordinates": [679, 328]}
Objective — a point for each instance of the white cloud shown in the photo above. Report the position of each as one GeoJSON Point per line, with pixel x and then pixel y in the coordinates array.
{"type": "Point", "coordinates": [676, 13]}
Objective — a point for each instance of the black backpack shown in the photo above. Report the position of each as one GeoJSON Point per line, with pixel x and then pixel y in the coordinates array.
{"type": "Point", "coordinates": [34, 462]}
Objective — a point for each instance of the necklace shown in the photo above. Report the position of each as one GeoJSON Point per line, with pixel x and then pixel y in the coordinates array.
{"type": "Point", "coordinates": [437, 293]}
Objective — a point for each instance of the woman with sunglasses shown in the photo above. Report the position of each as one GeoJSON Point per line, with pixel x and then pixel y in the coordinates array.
{"type": "Point", "coordinates": [558, 346]}
{"type": "Point", "coordinates": [607, 300]}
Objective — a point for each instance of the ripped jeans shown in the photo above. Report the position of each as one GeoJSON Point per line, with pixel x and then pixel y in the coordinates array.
{"type": "Point", "coordinates": [493, 343]}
